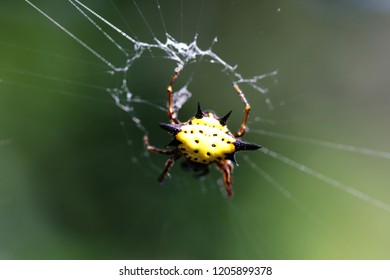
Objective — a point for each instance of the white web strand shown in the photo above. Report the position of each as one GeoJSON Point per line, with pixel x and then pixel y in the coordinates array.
{"type": "Point", "coordinates": [288, 195]}
{"type": "Point", "coordinates": [327, 144]}
{"type": "Point", "coordinates": [249, 233]}
{"type": "Point", "coordinates": [91, 50]}
{"type": "Point", "coordinates": [182, 53]}
{"type": "Point", "coordinates": [99, 28]}
{"type": "Point", "coordinates": [330, 181]}
{"type": "Point", "coordinates": [277, 186]}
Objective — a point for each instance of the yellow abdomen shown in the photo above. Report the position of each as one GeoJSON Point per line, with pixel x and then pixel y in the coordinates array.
{"type": "Point", "coordinates": [204, 144]}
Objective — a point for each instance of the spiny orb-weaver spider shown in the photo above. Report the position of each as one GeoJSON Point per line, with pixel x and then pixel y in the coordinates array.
{"type": "Point", "coordinates": [202, 140]}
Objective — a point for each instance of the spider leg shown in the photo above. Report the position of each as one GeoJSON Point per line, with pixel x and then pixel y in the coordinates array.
{"type": "Point", "coordinates": [242, 130]}
{"type": "Point", "coordinates": [172, 114]}
{"type": "Point", "coordinates": [168, 164]}
{"type": "Point", "coordinates": [226, 168]}
{"type": "Point", "coordinates": [157, 150]}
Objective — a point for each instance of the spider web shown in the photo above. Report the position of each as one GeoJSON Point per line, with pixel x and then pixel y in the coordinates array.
{"type": "Point", "coordinates": [318, 179]}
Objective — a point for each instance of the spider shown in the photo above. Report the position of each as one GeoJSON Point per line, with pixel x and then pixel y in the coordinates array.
{"type": "Point", "coordinates": [202, 140]}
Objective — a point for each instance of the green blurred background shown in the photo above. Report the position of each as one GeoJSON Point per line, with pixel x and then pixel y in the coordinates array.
{"type": "Point", "coordinates": [75, 182]}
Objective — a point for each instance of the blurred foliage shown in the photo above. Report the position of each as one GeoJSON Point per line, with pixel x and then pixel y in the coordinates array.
{"type": "Point", "coordinates": [75, 182]}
